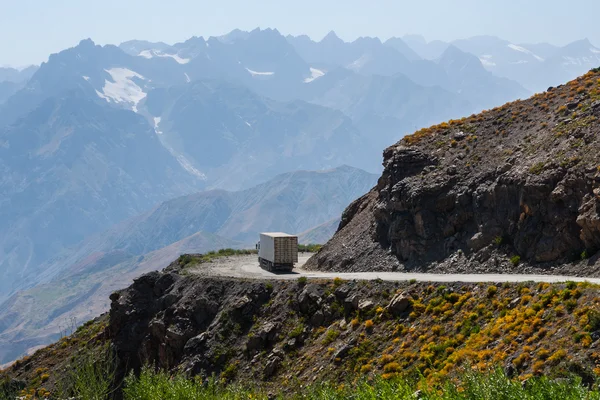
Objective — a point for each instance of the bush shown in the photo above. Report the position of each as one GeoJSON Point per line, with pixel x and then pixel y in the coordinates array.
{"type": "Point", "coordinates": [515, 260]}
{"type": "Point", "coordinates": [297, 331]}
{"type": "Point", "coordinates": [537, 168]}
{"type": "Point", "coordinates": [330, 336]}
{"type": "Point", "coordinates": [92, 377]}
{"type": "Point", "coordinates": [309, 248]}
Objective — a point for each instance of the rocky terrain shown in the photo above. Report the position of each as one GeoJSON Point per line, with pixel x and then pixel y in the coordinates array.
{"type": "Point", "coordinates": [282, 334]}
{"type": "Point", "coordinates": [511, 189]}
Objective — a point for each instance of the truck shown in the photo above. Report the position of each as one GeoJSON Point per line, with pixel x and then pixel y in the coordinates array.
{"type": "Point", "coordinates": [277, 251]}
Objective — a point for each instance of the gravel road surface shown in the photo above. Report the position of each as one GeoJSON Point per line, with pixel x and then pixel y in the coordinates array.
{"type": "Point", "coordinates": [247, 267]}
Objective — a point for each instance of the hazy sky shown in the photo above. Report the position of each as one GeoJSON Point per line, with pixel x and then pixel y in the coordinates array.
{"type": "Point", "coordinates": [32, 29]}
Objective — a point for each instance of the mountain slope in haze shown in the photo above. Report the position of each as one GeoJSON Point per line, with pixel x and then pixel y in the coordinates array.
{"type": "Point", "coordinates": [514, 189]}
{"type": "Point", "coordinates": [40, 315]}
{"type": "Point", "coordinates": [475, 83]}
{"type": "Point", "coordinates": [319, 234]}
{"type": "Point", "coordinates": [535, 66]}
{"type": "Point", "coordinates": [426, 50]}
{"type": "Point", "coordinates": [79, 282]}
{"type": "Point", "coordinates": [17, 76]}
{"type": "Point", "coordinates": [390, 106]}
{"type": "Point", "coordinates": [237, 138]}
{"type": "Point", "coordinates": [369, 56]}
{"type": "Point", "coordinates": [72, 167]}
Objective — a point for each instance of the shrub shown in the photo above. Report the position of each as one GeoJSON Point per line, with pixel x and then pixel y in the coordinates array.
{"type": "Point", "coordinates": [297, 331]}
{"type": "Point", "coordinates": [537, 168]}
{"type": "Point", "coordinates": [491, 291]}
{"type": "Point", "coordinates": [392, 367]}
{"type": "Point", "coordinates": [557, 357]}
{"type": "Point", "coordinates": [499, 240]}
{"type": "Point", "coordinates": [302, 280]}
{"type": "Point", "coordinates": [515, 260]}
{"type": "Point", "coordinates": [366, 368]}
{"type": "Point", "coordinates": [330, 336]}
{"type": "Point", "coordinates": [369, 324]}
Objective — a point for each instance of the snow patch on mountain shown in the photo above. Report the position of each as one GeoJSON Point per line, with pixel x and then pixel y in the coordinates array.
{"type": "Point", "coordinates": [256, 73]}
{"type": "Point", "coordinates": [357, 64]}
{"type": "Point", "coordinates": [87, 78]}
{"type": "Point", "coordinates": [486, 60]}
{"type": "Point", "coordinates": [181, 159]}
{"type": "Point", "coordinates": [122, 89]}
{"type": "Point", "coordinates": [524, 50]}
{"type": "Point", "coordinates": [155, 53]}
{"type": "Point", "coordinates": [314, 74]}
{"type": "Point", "coordinates": [187, 77]}
{"type": "Point", "coordinates": [580, 60]}
{"type": "Point", "coordinates": [156, 122]}
{"type": "Point", "coordinates": [595, 50]}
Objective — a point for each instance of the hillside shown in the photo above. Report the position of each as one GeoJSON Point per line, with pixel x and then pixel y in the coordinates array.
{"type": "Point", "coordinates": [70, 168]}
{"type": "Point", "coordinates": [76, 283]}
{"type": "Point", "coordinates": [511, 189]}
{"type": "Point", "coordinates": [283, 336]}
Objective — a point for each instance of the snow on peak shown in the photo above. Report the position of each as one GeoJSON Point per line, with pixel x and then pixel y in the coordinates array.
{"type": "Point", "coordinates": [156, 122]}
{"type": "Point", "coordinates": [256, 73]}
{"type": "Point", "coordinates": [156, 53]}
{"type": "Point", "coordinates": [486, 60]}
{"type": "Point", "coordinates": [181, 159]}
{"type": "Point", "coordinates": [359, 63]}
{"type": "Point", "coordinates": [594, 50]}
{"type": "Point", "coordinates": [314, 74]}
{"type": "Point", "coordinates": [524, 50]}
{"type": "Point", "coordinates": [122, 89]}
{"type": "Point", "coordinates": [87, 78]}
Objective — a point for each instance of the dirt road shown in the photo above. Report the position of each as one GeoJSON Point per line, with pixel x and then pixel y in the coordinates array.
{"type": "Point", "coordinates": [247, 267]}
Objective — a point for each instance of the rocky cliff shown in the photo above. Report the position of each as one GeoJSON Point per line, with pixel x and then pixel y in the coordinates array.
{"type": "Point", "coordinates": [516, 188]}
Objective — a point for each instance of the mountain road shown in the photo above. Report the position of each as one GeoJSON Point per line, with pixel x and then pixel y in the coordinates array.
{"type": "Point", "coordinates": [247, 267]}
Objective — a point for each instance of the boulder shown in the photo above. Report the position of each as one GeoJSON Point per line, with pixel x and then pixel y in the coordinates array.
{"type": "Point", "coordinates": [399, 304]}
{"type": "Point", "coordinates": [365, 305]}
{"type": "Point", "coordinates": [352, 302]}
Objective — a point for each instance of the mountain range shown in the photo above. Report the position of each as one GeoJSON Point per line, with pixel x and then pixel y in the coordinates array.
{"type": "Point", "coordinates": [535, 66]}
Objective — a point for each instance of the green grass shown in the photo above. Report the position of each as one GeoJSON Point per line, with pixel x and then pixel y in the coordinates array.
{"type": "Point", "coordinates": [310, 248]}
{"type": "Point", "coordinates": [495, 385]}
{"type": "Point", "coordinates": [92, 376]}
{"type": "Point", "coordinates": [187, 260]}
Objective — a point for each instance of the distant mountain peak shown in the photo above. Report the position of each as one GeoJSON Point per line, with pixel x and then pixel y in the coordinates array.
{"type": "Point", "coordinates": [89, 43]}
{"type": "Point", "coordinates": [453, 51]}
{"type": "Point", "coordinates": [368, 40]}
{"type": "Point", "coordinates": [331, 37]}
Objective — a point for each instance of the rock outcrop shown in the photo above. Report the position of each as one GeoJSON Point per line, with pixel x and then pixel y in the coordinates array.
{"type": "Point", "coordinates": [516, 188]}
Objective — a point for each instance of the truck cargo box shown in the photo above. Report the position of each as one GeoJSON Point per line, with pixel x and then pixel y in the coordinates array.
{"type": "Point", "coordinates": [278, 251]}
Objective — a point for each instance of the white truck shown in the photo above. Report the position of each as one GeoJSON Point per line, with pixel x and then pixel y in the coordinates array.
{"type": "Point", "coordinates": [277, 251]}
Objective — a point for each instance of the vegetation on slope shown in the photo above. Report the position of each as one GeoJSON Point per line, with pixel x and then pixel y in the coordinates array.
{"type": "Point", "coordinates": [152, 385]}
{"type": "Point", "coordinates": [530, 330]}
